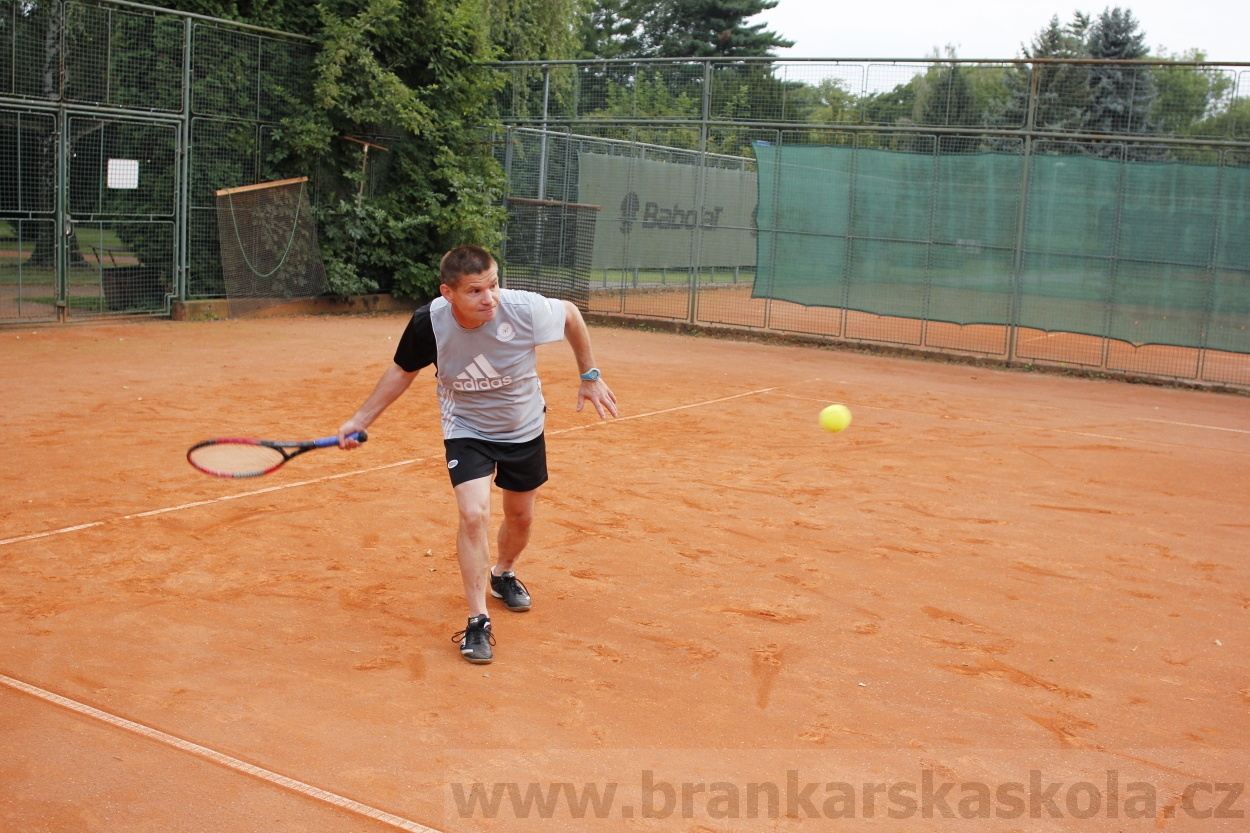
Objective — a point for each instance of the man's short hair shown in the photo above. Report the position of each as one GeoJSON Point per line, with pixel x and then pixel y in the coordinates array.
{"type": "Point", "coordinates": [461, 261]}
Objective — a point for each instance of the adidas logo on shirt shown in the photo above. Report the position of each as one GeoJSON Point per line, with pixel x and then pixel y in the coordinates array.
{"type": "Point", "coordinates": [479, 375]}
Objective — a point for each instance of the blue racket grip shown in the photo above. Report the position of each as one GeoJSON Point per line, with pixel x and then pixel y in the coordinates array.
{"type": "Point", "coordinates": [326, 442]}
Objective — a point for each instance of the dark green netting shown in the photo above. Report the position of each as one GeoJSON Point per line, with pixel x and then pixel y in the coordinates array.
{"type": "Point", "coordinates": [1148, 252]}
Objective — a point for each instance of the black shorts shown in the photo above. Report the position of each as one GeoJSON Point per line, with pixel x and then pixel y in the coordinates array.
{"type": "Point", "coordinates": [520, 467]}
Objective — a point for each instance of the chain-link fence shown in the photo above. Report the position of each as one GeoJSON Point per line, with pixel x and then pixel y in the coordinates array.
{"type": "Point", "coordinates": [1090, 214]}
{"type": "Point", "coordinates": [118, 122]}
{"type": "Point", "coordinates": [1083, 213]}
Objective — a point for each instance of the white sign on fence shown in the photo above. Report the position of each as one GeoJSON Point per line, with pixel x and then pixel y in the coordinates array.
{"type": "Point", "coordinates": [123, 173]}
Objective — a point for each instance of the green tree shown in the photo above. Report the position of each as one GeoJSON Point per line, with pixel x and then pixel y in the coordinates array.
{"type": "Point", "coordinates": [892, 106]}
{"type": "Point", "coordinates": [298, 16]}
{"type": "Point", "coordinates": [611, 29]}
{"type": "Point", "coordinates": [408, 75]}
{"type": "Point", "coordinates": [945, 100]}
{"type": "Point", "coordinates": [535, 30]}
{"type": "Point", "coordinates": [711, 29]}
{"type": "Point", "coordinates": [649, 94]}
{"type": "Point", "coordinates": [830, 102]}
{"type": "Point", "coordinates": [1094, 98]}
{"type": "Point", "coordinates": [521, 30]}
{"type": "Point", "coordinates": [412, 70]}
{"type": "Point", "coordinates": [1232, 122]}
{"type": "Point", "coordinates": [1062, 89]}
{"type": "Point", "coordinates": [954, 94]}
{"type": "Point", "coordinates": [679, 29]}
{"type": "Point", "coordinates": [1121, 97]}
{"type": "Point", "coordinates": [1189, 95]}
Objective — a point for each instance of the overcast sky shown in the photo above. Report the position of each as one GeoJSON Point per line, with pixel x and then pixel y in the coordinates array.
{"type": "Point", "coordinates": [993, 28]}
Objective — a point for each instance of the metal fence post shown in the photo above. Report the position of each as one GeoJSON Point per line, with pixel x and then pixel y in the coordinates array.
{"type": "Point", "coordinates": [1204, 332]}
{"type": "Point", "coordinates": [542, 155]}
{"type": "Point", "coordinates": [696, 242]}
{"type": "Point", "coordinates": [773, 240]}
{"type": "Point", "coordinates": [507, 178]}
{"type": "Point", "coordinates": [1017, 265]}
{"type": "Point", "coordinates": [1113, 278]}
{"type": "Point", "coordinates": [566, 258]}
{"type": "Point", "coordinates": [848, 256]}
{"type": "Point", "coordinates": [183, 237]}
{"type": "Point", "coordinates": [926, 292]}
{"type": "Point", "coordinates": [539, 217]}
{"type": "Point", "coordinates": [63, 227]}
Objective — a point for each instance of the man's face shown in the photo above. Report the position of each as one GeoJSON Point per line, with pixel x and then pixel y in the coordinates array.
{"type": "Point", "coordinates": [475, 300]}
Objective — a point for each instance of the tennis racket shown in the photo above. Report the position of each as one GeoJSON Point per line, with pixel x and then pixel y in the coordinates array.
{"type": "Point", "coordinates": [240, 457]}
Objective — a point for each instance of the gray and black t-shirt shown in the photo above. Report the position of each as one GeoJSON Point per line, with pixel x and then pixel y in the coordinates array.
{"type": "Point", "coordinates": [488, 384]}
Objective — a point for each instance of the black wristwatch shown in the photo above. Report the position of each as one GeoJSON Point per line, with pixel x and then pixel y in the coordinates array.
{"type": "Point", "coordinates": [591, 375]}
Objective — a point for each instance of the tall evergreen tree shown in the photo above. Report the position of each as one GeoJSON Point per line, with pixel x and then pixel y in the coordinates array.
{"type": "Point", "coordinates": [712, 29]}
{"type": "Point", "coordinates": [1091, 98]}
{"type": "Point", "coordinates": [680, 29]}
{"type": "Point", "coordinates": [1062, 89]}
{"type": "Point", "coordinates": [612, 29]}
{"type": "Point", "coordinates": [1121, 96]}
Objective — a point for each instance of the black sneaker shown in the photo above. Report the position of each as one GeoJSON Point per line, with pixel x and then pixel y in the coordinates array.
{"type": "Point", "coordinates": [476, 639]}
{"type": "Point", "coordinates": [509, 588]}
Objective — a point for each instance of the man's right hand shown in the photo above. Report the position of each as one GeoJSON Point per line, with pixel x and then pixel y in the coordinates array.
{"type": "Point", "coordinates": [349, 427]}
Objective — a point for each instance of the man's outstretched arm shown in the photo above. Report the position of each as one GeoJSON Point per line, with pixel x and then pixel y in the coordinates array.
{"type": "Point", "coordinates": [395, 380]}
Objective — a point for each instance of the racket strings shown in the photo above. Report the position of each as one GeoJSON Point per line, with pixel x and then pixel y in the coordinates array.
{"type": "Point", "coordinates": [235, 459]}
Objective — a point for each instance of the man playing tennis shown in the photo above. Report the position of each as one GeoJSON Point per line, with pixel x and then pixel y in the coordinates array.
{"type": "Point", "coordinates": [481, 340]}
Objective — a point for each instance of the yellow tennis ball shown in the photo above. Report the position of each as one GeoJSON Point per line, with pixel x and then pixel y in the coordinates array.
{"type": "Point", "coordinates": [835, 418]}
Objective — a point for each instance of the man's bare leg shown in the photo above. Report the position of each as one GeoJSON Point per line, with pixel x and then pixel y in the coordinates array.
{"type": "Point", "coordinates": [514, 533]}
{"type": "Point", "coordinates": [473, 541]}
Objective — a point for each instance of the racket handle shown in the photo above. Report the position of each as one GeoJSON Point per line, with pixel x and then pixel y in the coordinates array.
{"type": "Point", "coordinates": [326, 442]}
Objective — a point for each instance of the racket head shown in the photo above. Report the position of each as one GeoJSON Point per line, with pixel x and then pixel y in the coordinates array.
{"type": "Point", "coordinates": [235, 457]}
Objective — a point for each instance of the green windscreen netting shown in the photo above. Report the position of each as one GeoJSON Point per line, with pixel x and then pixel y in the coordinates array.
{"type": "Point", "coordinates": [1149, 252]}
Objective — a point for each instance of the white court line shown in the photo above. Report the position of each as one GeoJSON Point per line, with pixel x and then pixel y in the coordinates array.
{"type": "Point", "coordinates": [220, 758]}
{"type": "Point", "coordinates": [181, 506]}
{"type": "Point", "coordinates": [1193, 425]}
{"type": "Point", "coordinates": [255, 492]}
{"type": "Point", "coordinates": [662, 411]}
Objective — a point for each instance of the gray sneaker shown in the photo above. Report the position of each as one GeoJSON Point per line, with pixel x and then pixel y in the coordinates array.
{"type": "Point", "coordinates": [509, 588]}
{"type": "Point", "coordinates": [475, 640]}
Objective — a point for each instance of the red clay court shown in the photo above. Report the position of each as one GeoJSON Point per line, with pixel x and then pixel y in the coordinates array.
{"type": "Point", "coordinates": [989, 574]}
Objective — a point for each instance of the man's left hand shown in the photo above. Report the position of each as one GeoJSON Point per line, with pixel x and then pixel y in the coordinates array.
{"type": "Point", "coordinates": [598, 394]}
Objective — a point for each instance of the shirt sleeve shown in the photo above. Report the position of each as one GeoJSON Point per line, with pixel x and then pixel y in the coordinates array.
{"type": "Point", "coordinates": [548, 317]}
{"type": "Point", "coordinates": [417, 347]}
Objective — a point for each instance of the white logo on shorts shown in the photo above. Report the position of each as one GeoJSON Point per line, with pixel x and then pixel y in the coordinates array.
{"type": "Point", "coordinates": [506, 332]}
{"type": "Point", "coordinates": [451, 464]}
